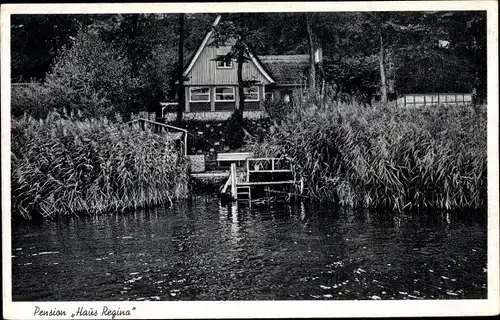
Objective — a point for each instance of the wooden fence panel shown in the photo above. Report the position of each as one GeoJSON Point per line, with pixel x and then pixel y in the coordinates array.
{"type": "Point", "coordinates": [419, 100]}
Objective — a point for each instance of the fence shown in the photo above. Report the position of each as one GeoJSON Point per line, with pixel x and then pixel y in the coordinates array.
{"type": "Point", "coordinates": [419, 100]}
{"type": "Point", "coordinates": [159, 127]}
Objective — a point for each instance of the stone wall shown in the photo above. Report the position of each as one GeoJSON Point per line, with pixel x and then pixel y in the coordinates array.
{"type": "Point", "coordinates": [215, 115]}
{"type": "Point", "coordinates": [197, 163]}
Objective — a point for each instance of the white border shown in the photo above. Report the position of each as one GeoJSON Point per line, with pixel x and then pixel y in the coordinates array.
{"type": "Point", "coordinates": [270, 309]}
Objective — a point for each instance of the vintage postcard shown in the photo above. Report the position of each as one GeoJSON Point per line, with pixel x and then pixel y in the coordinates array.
{"type": "Point", "coordinates": [250, 160]}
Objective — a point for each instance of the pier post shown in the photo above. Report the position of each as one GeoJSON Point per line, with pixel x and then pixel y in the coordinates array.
{"type": "Point", "coordinates": [248, 171]}
{"type": "Point", "coordinates": [234, 187]}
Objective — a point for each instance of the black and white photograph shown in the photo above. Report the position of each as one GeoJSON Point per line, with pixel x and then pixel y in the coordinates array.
{"type": "Point", "coordinates": [250, 160]}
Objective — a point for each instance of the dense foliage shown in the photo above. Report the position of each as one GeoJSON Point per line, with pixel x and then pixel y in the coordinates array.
{"type": "Point", "coordinates": [422, 51]}
{"type": "Point", "coordinates": [90, 78]}
{"type": "Point", "coordinates": [37, 40]}
{"type": "Point", "coordinates": [65, 167]}
{"type": "Point", "coordinates": [399, 159]}
{"type": "Point", "coordinates": [99, 64]}
{"type": "Point", "coordinates": [233, 131]}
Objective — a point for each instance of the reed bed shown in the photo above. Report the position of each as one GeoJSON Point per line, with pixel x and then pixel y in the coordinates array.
{"type": "Point", "coordinates": [431, 157]}
{"type": "Point", "coordinates": [62, 167]}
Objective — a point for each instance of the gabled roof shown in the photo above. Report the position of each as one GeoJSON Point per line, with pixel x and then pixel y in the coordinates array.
{"type": "Point", "coordinates": [207, 36]}
{"type": "Point", "coordinates": [196, 55]}
{"type": "Point", "coordinates": [286, 69]}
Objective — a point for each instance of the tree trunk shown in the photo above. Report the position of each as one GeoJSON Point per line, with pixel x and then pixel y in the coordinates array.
{"type": "Point", "coordinates": [312, 66]}
{"type": "Point", "coordinates": [180, 92]}
{"type": "Point", "coordinates": [383, 79]}
{"type": "Point", "coordinates": [137, 103]}
{"type": "Point", "coordinates": [241, 94]}
{"type": "Point", "coordinates": [339, 94]}
{"type": "Point", "coordinates": [322, 93]}
{"type": "Point", "coordinates": [132, 47]}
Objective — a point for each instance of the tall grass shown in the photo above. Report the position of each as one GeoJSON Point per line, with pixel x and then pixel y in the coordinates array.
{"type": "Point", "coordinates": [65, 167]}
{"type": "Point", "coordinates": [391, 158]}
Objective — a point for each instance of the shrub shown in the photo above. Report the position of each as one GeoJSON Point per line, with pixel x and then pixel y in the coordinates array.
{"type": "Point", "coordinates": [426, 157]}
{"type": "Point", "coordinates": [233, 132]}
{"type": "Point", "coordinates": [64, 167]}
{"type": "Point", "coordinates": [92, 77]}
{"type": "Point", "coordinates": [156, 76]}
{"type": "Point", "coordinates": [353, 78]}
{"type": "Point", "coordinates": [277, 109]}
{"type": "Point", "coordinates": [30, 98]}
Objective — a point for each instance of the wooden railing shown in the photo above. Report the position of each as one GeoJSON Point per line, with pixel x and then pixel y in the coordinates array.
{"type": "Point", "coordinates": [168, 105]}
{"type": "Point", "coordinates": [271, 163]}
{"type": "Point", "coordinates": [257, 165]}
{"type": "Point", "coordinates": [158, 127]}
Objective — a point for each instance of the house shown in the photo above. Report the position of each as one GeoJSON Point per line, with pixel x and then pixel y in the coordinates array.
{"type": "Point", "coordinates": [289, 72]}
{"type": "Point", "coordinates": [212, 85]}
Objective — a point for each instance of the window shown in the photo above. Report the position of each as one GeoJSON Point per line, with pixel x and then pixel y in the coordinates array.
{"type": "Point", "coordinates": [224, 94]}
{"type": "Point", "coordinates": [201, 94]}
{"type": "Point", "coordinates": [224, 64]}
{"type": "Point", "coordinates": [251, 94]}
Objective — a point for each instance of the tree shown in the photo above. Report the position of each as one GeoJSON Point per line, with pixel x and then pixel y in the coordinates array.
{"type": "Point", "coordinates": [353, 78]}
{"type": "Point", "coordinates": [350, 39]}
{"type": "Point", "coordinates": [377, 24]}
{"type": "Point", "coordinates": [294, 33]}
{"type": "Point", "coordinates": [403, 46]}
{"type": "Point", "coordinates": [239, 30]}
{"type": "Point", "coordinates": [466, 32]}
{"type": "Point", "coordinates": [180, 91]}
{"type": "Point", "coordinates": [383, 78]}
{"type": "Point", "coordinates": [146, 39]}
{"type": "Point", "coordinates": [312, 62]}
{"type": "Point", "coordinates": [90, 77]}
{"type": "Point", "coordinates": [406, 47]}
{"type": "Point", "coordinates": [36, 40]}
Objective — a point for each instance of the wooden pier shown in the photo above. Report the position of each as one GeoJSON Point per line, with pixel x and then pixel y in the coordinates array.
{"type": "Point", "coordinates": [258, 173]}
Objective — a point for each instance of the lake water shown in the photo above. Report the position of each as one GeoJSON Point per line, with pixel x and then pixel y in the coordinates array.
{"type": "Point", "coordinates": [202, 249]}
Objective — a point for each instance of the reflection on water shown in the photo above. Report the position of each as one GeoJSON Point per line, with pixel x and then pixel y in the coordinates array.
{"type": "Point", "coordinates": [203, 249]}
{"type": "Point", "coordinates": [234, 222]}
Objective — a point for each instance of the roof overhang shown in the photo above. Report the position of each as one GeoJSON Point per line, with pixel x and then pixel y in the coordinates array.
{"type": "Point", "coordinates": [261, 68]}
{"type": "Point", "coordinates": [202, 45]}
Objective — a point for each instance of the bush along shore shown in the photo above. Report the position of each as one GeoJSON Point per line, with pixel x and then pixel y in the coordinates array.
{"type": "Point", "coordinates": [399, 159]}
{"type": "Point", "coordinates": [63, 167]}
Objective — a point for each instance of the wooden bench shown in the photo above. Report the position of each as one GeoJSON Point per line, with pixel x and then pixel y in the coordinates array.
{"type": "Point", "coordinates": [232, 157]}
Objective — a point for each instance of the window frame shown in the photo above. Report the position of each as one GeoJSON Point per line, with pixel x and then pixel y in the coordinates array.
{"type": "Point", "coordinates": [224, 87]}
{"type": "Point", "coordinates": [258, 94]}
{"type": "Point", "coordinates": [224, 63]}
{"type": "Point", "coordinates": [208, 94]}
